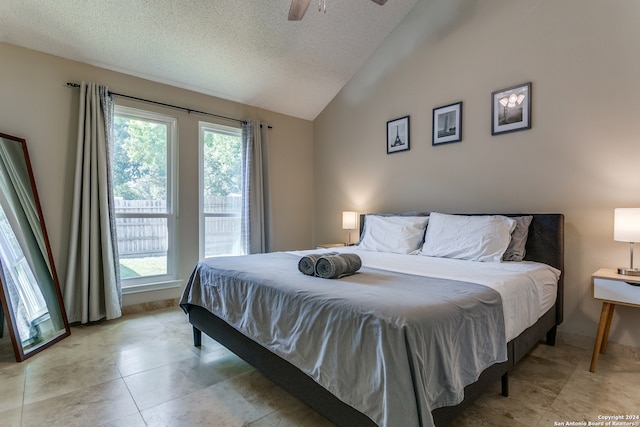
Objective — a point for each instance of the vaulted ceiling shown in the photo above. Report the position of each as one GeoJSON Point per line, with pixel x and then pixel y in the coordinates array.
{"type": "Point", "coordinates": [241, 50]}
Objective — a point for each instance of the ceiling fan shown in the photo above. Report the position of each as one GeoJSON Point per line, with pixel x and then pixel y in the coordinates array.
{"type": "Point", "coordinates": [299, 7]}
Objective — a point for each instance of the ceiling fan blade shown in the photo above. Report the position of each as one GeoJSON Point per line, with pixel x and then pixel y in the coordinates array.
{"type": "Point", "coordinates": [298, 9]}
{"type": "Point", "coordinates": [380, 2]}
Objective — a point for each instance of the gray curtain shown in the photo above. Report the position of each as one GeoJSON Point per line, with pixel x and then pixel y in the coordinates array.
{"type": "Point", "coordinates": [92, 290]}
{"type": "Point", "coordinates": [256, 222]}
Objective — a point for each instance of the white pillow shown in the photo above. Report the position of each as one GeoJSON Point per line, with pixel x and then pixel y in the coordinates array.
{"type": "Point", "coordinates": [475, 238]}
{"type": "Point", "coordinates": [396, 234]}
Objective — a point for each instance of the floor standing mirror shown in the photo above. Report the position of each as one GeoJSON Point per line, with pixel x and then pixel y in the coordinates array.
{"type": "Point", "coordinates": [30, 293]}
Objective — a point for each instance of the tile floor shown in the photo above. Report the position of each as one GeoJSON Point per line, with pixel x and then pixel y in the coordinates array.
{"type": "Point", "coordinates": [142, 370]}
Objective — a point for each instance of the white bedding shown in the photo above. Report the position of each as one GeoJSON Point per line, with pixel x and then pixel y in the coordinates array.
{"type": "Point", "coordinates": [528, 289]}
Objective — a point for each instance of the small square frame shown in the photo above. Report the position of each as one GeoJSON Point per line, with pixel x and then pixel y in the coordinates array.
{"type": "Point", "coordinates": [398, 135]}
{"type": "Point", "coordinates": [511, 109]}
{"type": "Point", "coordinates": [447, 124]}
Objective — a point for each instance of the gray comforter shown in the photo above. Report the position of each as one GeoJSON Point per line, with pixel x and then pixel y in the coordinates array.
{"type": "Point", "coordinates": [394, 346]}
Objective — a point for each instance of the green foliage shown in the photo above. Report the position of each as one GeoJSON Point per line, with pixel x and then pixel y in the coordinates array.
{"type": "Point", "coordinates": [139, 159]}
{"type": "Point", "coordinates": [222, 164]}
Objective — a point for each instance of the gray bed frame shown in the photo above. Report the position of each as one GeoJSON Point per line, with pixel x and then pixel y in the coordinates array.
{"type": "Point", "coordinates": [545, 244]}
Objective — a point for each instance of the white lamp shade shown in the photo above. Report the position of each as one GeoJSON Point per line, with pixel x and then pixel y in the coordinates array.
{"type": "Point", "coordinates": [626, 225]}
{"type": "Point", "coordinates": [349, 220]}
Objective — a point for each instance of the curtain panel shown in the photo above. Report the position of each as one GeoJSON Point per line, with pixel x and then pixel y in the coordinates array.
{"type": "Point", "coordinates": [255, 220]}
{"type": "Point", "coordinates": [92, 289]}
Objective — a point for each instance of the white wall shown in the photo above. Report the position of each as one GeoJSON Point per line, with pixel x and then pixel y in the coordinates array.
{"type": "Point", "coordinates": [580, 158]}
{"type": "Point", "coordinates": [36, 104]}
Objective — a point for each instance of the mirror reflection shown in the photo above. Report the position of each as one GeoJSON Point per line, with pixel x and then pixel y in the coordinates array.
{"type": "Point", "coordinates": [30, 290]}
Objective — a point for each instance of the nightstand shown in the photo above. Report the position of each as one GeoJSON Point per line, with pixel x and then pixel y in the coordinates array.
{"type": "Point", "coordinates": [611, 288]}
{"type": "Point", "coordinates": [330, 245]}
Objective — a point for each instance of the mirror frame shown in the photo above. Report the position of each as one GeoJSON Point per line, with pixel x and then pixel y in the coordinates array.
{"type": "Point", "coordinates": [4, 299]}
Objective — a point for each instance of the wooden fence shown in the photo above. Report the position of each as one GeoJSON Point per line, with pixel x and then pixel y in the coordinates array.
{"type": "Point", "coordinates": [145, 237]}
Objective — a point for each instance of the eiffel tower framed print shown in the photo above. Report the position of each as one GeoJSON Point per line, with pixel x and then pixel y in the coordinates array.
{"type": "Point", "coordinates": [398, 135]}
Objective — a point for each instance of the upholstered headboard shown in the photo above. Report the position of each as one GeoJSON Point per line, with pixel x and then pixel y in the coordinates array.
{"type": "Point", "coordinates": [545, 244]}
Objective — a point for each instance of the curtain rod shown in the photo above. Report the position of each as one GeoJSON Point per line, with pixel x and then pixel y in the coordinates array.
{"type": "Point", "coordinates": [177, 107]}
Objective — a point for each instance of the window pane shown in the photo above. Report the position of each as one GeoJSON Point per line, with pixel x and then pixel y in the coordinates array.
{"type": "Point", "coordinates": [222, 168]}
{"type": "Point", "coordinates": [139, 163]}
{"type": "Point", "coordinates": [222, 191]}
{"type": "Point", "coordinates": [142, 246]}
{"type": "Point", "coordinates": [222, 236]}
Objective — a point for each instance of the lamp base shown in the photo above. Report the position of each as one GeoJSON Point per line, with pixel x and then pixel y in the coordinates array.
{"type": "Point", "coordinates": [629, 271]}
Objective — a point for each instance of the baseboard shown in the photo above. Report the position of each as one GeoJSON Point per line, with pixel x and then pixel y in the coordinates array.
{"type": "Point", "coordinates": [149, 306]}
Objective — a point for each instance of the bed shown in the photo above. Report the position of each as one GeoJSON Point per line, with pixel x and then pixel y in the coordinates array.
{"type": "Point", "coordinates": [224, 300]}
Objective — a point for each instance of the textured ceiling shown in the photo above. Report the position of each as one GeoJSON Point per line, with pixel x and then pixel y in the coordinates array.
{"type": "Point", "coordinates": [242, 50]}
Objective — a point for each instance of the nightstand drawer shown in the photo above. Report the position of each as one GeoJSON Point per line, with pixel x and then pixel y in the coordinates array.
{"type": "Point", "coordinates": [615, 290]}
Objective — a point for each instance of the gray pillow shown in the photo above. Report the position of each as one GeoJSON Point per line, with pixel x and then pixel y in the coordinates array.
{"type": "Point", "coordinates": [515, 251]}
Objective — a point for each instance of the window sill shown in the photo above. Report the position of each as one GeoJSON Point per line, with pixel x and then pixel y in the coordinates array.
{"type": "Point", "coordinates": [146, 287]}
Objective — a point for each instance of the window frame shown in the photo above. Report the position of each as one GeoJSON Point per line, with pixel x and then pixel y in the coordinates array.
{"type": "Point", "coordinates": [202, 128]}
{"type": "Point", "coordinates": [169, 279]}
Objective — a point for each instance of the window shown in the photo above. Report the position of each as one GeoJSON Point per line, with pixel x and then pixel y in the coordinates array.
{"type": "Point", "coordinates": [220, 190]}
{"type": "Point", "coordinates": [143, 179]}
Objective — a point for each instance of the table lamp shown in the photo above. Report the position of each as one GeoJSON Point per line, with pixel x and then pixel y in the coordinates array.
{"type": "Point", "coordinates": [349, 221]}
{"type": "Point", "coordinates": [626, 228]}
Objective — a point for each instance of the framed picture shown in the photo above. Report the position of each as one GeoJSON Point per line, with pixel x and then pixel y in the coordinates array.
{"type": "Point", "coordinates": [447, 124]}
{"type": "Point", "coordinates": [511, 109]}
{"type": "Point", "coordinates": [398, 135]}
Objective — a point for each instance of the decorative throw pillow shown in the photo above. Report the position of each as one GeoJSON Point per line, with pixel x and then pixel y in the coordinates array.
{"type": "Point", "coordinates": [396, 234]}
{"type": "Point", "coordinates": [468, 237]}
{"type": "Point", "coordinates": [515, 251]}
